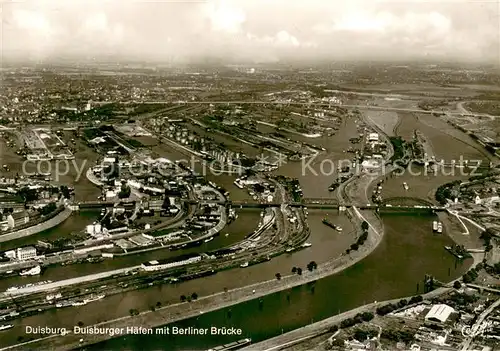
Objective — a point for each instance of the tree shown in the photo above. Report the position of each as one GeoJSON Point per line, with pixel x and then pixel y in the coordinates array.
{"type": "Point", "coordinates": [183, 298]}
{"type": "Point", "coordinates": [294, 270]}
{"type": "Point", "coordinates": [278, 276]}
{"type": "Point", "coordinates": [299, 271]}
{"type": "Point", "coordinates": [364, 226]}
{"type": "Point", "coordinates": [80, 324]}
{"type": "Point", "coordinates": [457, 284]}
{"type": "Point", "coordinates": [194, 296]}
{"type": "Point", "coordinates": [158, 304]}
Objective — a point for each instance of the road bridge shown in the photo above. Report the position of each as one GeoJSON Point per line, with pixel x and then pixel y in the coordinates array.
{"type": "Point", "coordinates": [405, 201]}
{"type": "Point", "coordinates": [101, 204]}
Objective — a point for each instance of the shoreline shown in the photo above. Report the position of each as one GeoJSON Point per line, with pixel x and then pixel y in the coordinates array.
{"type": "Point", "coordinates": [177, 312]}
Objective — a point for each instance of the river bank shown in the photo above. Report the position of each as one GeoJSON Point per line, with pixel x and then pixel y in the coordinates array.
{"type": "Point", "coordinates": [310, 331]}
{"type": "Point", "coordinates": [179, 311]}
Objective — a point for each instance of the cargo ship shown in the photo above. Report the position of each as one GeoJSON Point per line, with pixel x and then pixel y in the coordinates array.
{"type": "Point", "coordinates": [6, 327]}
{"type": "Point", "coordinates": [94, 298]}
{"type": "Point", "coordinates": [64, 304]}
{"type": "Point", "coordinates": [331, 225]}
{"type": "Point", "coordinates": [434, 226]}
{"type": "Point", "coordinates": [232, 346]}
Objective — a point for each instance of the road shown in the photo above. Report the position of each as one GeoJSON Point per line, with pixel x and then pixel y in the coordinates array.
{"type": "Point", "coordinates": [476, 328]}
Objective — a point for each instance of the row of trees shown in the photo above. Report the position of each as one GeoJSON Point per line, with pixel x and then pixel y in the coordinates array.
{"type": "Point", "coordinates": [192, 297]}
{"type": "Point", "coordinates": [386, 309]}
{"type": "Point", "coordinates": [357, 319]}
{"type": "Point", "coordinates": [362, 238]}
{"type": "Point", "coordinates": [311, 266]}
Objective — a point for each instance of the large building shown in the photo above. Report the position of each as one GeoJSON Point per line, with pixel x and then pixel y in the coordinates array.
{"type": "Point", "coordinates": [439, 313]}
{"type": "Point", "coordinates": [25, 253]}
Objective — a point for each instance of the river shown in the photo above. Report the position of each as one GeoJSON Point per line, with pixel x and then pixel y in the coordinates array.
{"type": "Point", "coordinates": [408, 252]}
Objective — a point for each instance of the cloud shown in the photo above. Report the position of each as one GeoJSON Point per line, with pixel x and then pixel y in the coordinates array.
{"type": "Point", "coordinates": [250, 29]}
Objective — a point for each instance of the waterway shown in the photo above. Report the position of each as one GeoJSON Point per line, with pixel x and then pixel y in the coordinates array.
{"type": "Point", "coordinates": [395, 269]}
{"type": "Point", "coordinates": [408, 252]}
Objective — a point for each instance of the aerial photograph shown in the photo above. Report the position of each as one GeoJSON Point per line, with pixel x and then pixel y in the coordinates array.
{"type": "Point", "coordinates": [257, 175]}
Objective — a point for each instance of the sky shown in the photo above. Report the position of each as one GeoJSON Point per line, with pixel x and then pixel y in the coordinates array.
{"type": "Point", "coordinates": [251, 30]}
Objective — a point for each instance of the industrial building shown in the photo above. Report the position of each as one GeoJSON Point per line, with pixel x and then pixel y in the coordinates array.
{"type": "Point", "coordinates": [439, 313]}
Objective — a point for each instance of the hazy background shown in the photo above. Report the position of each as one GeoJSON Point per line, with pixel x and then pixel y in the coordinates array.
{"type": "Point", "coordinates": [255, 30]}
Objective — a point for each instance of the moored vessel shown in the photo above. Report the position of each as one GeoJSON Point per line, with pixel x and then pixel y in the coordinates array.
{"type": "Point", "coordinates": [32, 271]}
{"type": "Point", "coordinates": [232, 346]}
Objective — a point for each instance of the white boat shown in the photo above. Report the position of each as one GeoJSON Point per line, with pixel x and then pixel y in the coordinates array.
{"type": "Point", "coordinates": [13, 288]}
{"type": "Point", "coordinates": [338, 228]}
{"type": "Point", "coordinates": [79, 303]}
{"type": "Point", "coordinates": [290, 249]}
{"type": "Point", "coordinates": [94, 298]}
{"type": "Point", "coordinates": [53, 296]}
{"type": "Point", "coordinates": [243, 265]}
{"type": "Point", "coordinates": [6, 326]}
{"type": "Point", "coordinates": [434, 225]}
{"type": "Point", "coordinates": [238, 184]}
{"type": "Point", "coordinates": [440, 228]}
{"type": "Point", "coordinates": [227, 234]}
{"type": "Point", "coordinates": [405, 186]}
{"type": "Point", "coordinates": [32, 271]}
{"type": "Point", "coordinates": [209, 239]}
{"type": "Point", "coordinates": [64, 304]}
{"type": "Point", "coordinates": [307, 245]}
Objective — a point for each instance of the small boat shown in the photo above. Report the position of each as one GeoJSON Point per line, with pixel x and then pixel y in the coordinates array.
{"type": "Point", "coordinates": [435, 226]}
{"type": "Point", "coordinates": [79, 303]}
{"type": "Point", "coordinates": [209, 239]}
{"type": "Point", "coordinates": [6, 326]}
{"type": "Point", "coordinates": [243, 265]}
{"type": "Point", "coordinates": [405, 186]}
{"type": "Point", "coordinates": [227, 234]}
{"type": "Point", "coordinates": [338, 228]}
{"type": "Point", "coordinates": [307, 245]}
{"type": "Point", "coordinates": [440, 228]}
{"type": "Point", "coordinates": [290, 249]}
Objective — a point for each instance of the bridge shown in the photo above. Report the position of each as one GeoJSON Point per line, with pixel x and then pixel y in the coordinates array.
{"type": "Point", "coordinates": [389, 205]}
{"type": "Point", "coordinates": [405, 202]}
{"type": "Point", "coordinates": [101, 204]}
